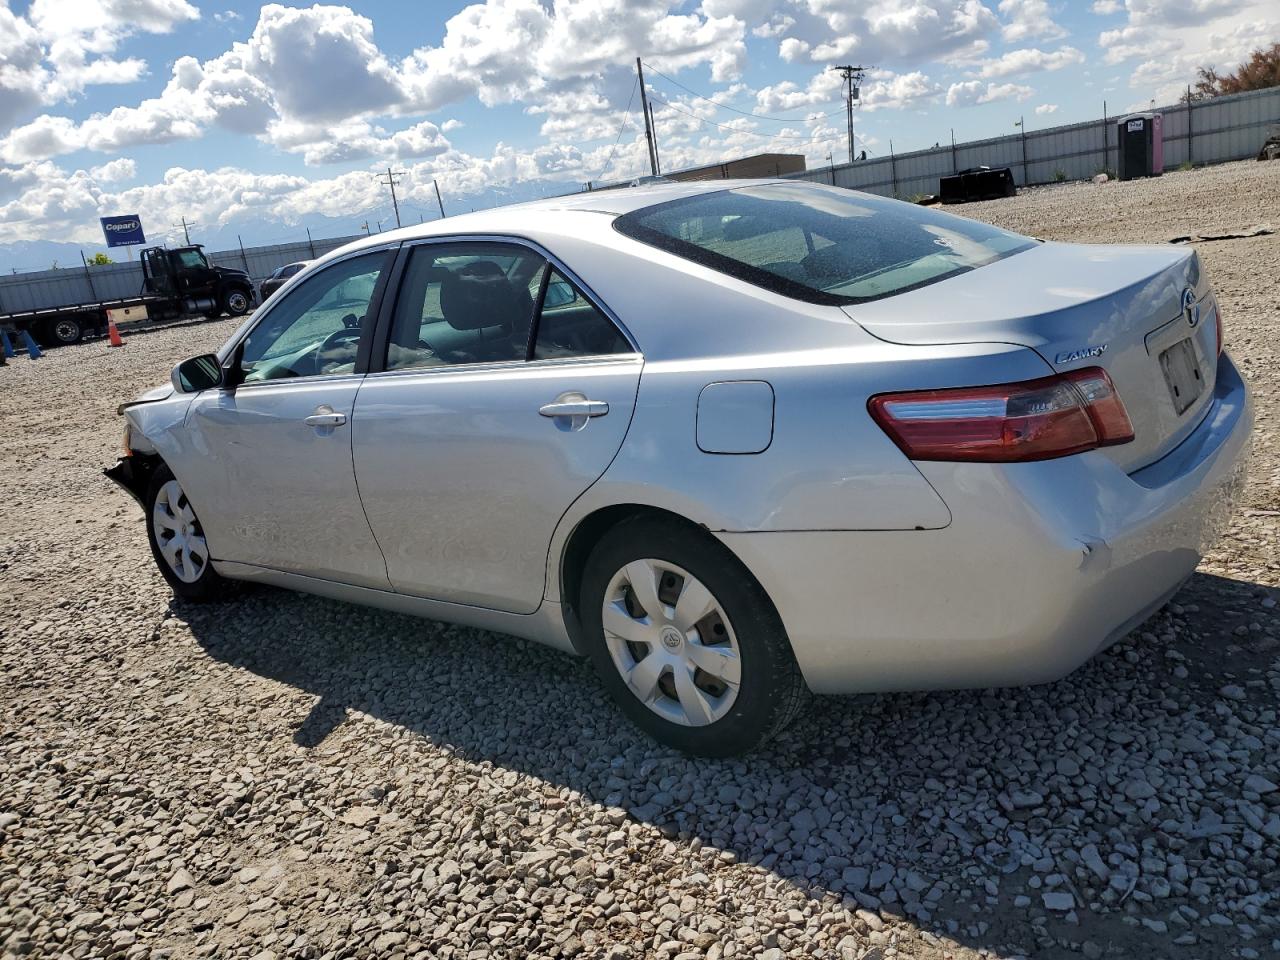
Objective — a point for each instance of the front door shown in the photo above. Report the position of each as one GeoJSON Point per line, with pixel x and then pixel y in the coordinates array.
{"type": "Point", "coordinates": [270, 466]}
{"type": "Point", "coordinates": [490, 415]}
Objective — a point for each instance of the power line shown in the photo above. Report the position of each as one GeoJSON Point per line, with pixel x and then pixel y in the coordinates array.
{"type": "Point", "coordinates": [725, 126]}
{"type": "Point", "coordinates": [745, 113]}
{"type": "Point", "coordinates": [621, 127]}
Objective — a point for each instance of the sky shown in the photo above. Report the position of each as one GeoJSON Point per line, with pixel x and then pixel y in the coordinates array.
{"type": "Point", "coordinates": [259, 121]}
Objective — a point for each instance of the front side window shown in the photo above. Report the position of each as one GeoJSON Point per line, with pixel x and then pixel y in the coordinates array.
{"type": "Point", "coordinates": [820, 244]}
{"type": "Point", "coordinates": [316, 328]}
{"type": "Point", "coordinates": [465, 302]}
{"type": "Point", "coordinates": [192, 259]}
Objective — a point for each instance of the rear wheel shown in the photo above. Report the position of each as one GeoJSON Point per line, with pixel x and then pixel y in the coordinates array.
{"type": "Point", "coordinates": [64, 331]}
{"type": "Point", "coordinates": [686, 641]}
{"type": "Point", "coordinates": [178, 542]}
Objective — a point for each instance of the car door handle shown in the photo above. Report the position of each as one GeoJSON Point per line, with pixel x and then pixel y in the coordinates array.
{"type": "Point", "coordinates": [574, 408]}
{"type": "Point", "coordinates": [325, 418]}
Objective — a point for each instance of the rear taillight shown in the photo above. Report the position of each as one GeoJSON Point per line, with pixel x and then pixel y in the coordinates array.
{"type": "Point", "coordinates": [1036, 420]}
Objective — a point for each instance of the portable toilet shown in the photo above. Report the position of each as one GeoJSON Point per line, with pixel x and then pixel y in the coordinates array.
{"type": "Point", "coordinates": [1141, 146]}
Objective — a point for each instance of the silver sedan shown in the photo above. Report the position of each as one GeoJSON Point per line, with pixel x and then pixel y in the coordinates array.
{"type": "Point", "coordinates": [735, 442]}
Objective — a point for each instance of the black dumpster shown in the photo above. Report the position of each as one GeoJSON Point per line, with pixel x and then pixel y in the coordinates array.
{"type": "Point", "coordinates": [1140, 146]}
{"type": "Point", "coordinates": [977, 183]}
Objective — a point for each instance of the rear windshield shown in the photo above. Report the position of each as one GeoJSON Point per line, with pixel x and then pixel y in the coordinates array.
{"type": "Point", "coordinates": [818, 243]}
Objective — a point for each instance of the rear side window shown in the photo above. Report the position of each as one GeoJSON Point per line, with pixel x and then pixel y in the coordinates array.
{"type": "Point", "coordinates": [820, 244]}
{"type": "Point", "coordinates": [570, 325]}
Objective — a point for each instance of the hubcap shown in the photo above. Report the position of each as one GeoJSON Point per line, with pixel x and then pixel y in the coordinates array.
{"type": "Point", "coordinates": [237, 302]}
{"type": "Point", "coordinates": [672, 642]}
{"type": "Point", "coordinates": [179, 534]}
{"type": "Point", "coordinates": [67, 331]}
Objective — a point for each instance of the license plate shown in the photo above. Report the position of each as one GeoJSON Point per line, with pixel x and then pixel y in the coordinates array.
{"type": "Point", "coordinates": [1182, 374]}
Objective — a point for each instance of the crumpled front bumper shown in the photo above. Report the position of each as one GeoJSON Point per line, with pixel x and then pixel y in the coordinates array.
{"type": "Point", "coordinates": [133, 475]}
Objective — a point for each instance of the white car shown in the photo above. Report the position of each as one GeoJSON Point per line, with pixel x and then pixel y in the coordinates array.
{"type": "Point", "coordinates": [733, 441]}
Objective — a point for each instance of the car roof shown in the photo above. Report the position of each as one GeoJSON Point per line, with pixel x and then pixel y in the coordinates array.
{"type": "Point", "coordinates": [626, 199]}
{"type": "Point", "coordinates": [544, 213]}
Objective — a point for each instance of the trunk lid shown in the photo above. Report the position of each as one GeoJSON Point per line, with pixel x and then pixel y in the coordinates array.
{"type": "Point", "coordinates": [1121, 308]}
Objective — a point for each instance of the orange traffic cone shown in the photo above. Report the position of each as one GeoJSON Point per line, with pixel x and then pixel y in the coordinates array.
{"type": "Point", "coordinates": [113, 334]}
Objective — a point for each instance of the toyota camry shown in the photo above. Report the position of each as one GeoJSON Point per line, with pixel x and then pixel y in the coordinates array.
{"type": "Point", "coordinates": [735, 442]}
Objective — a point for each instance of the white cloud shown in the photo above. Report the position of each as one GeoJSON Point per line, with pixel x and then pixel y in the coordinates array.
{"type": "Point", "coordinates": [974, 92]}
{"type": "Point", "coordinates": [227, 16]}
{"type": "Point", "coordinates": [900, 31]}
{"type": "Point", "coordinates": [318, 72]}
{"type": "Point", "coordinates": [1031, 60]}
{"type": "Point", "coordinates": [1167, 76]}
{"type": "Point", "coordinates": [115, 171]}
{"type": "Point", "coordinates": [1027, 19]}
{"type": "Point", "coordinates": [56, 50]}
{"type": "Point", "coordinates": [1045, 109]}
{"type": "Point", "coordinates": [1105, 8]}
{"type": "Point", "coordinates": [775, 27]}
{"type": "Point", "coordinates": [1180, 13]}
{"type": "Point", "coordinates": [792, 49]}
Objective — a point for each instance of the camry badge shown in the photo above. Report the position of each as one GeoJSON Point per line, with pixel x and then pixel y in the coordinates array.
{"type": "Point", "coordinates": [1084, 353]}
{"type": "Point", "coordinates": [1190, 309]}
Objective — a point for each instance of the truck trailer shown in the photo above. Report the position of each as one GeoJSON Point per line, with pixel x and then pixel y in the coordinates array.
{"type": "Point", "coordinates": [176, 282]}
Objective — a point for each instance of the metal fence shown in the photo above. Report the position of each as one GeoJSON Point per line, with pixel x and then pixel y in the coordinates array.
{"type": "Point", "coordinates": [1206, 131]}
{"type": "Point", "coordinates": [115, 281]}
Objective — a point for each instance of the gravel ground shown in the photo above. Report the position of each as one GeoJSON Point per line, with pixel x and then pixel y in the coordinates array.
{"type": "Point", "coordinates": [281, 776]}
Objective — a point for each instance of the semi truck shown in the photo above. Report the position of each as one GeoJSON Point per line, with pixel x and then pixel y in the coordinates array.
{"type": "Point", "coordinates": [177, 282]}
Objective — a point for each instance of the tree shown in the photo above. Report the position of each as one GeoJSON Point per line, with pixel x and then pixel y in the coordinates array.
{"type": "Point", "coordinates": [1260, 71]}
{"type": "Point", "coordinates": [100, 260]}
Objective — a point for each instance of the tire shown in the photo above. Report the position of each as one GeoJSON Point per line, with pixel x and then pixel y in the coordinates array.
{"type": "Point", "coordinates": [688, 708]}
{"type": "Point", "coordinates": [237, 302]}
{"type": "Point", "coordinates": [205, 585]}
{"type": "Point", "coordinates": [63, 332]}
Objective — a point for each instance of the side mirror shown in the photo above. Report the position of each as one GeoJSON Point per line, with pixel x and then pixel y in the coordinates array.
{"type": "Point", "coordinates": [196, 374]}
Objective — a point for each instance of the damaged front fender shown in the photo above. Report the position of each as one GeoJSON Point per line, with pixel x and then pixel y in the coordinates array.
{"type": "Point", "coordinates": [133, 475]}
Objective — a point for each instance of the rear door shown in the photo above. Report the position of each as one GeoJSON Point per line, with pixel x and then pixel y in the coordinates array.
{"type": "Point", "coordinates": [484, 417]}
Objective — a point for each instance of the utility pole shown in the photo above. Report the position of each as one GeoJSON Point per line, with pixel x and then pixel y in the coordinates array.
{"type": "Point", "coordinates": [436, 184]}
{"type": "Point", "coordinates": [649, 137]}
{"type": "Point", "coordinates": [391, 182]}
{"type": "Point", "coordinates": [1022, 129]}
{"type": "Point", "coordinates": [852, 80]}
{"type": "Point", "coordinates": [186, 228]}
{"type": "Point", "coordinates": [365, 227]}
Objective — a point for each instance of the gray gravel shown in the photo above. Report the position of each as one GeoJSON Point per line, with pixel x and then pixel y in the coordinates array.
{"type": "Point", "coordinates": [281, 776]}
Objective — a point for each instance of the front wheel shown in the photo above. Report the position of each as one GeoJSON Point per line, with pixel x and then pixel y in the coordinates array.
{"type": "Point", "coordinates": [686, 641]}
{"type": "Point", "coordinates": [236, 302]}
{"type": "Point", "coordinates": [178, 542]}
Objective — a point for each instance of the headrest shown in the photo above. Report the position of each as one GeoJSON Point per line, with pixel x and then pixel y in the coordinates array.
{"type": "Point", "coordinates": [479, 295]}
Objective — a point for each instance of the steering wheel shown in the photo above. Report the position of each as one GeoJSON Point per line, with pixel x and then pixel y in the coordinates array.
{"type": "Point", "coordinates": [332, 341]}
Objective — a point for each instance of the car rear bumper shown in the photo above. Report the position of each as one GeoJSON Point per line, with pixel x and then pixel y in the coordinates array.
{"type": "Point", "coordinates": [1043, 565]}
